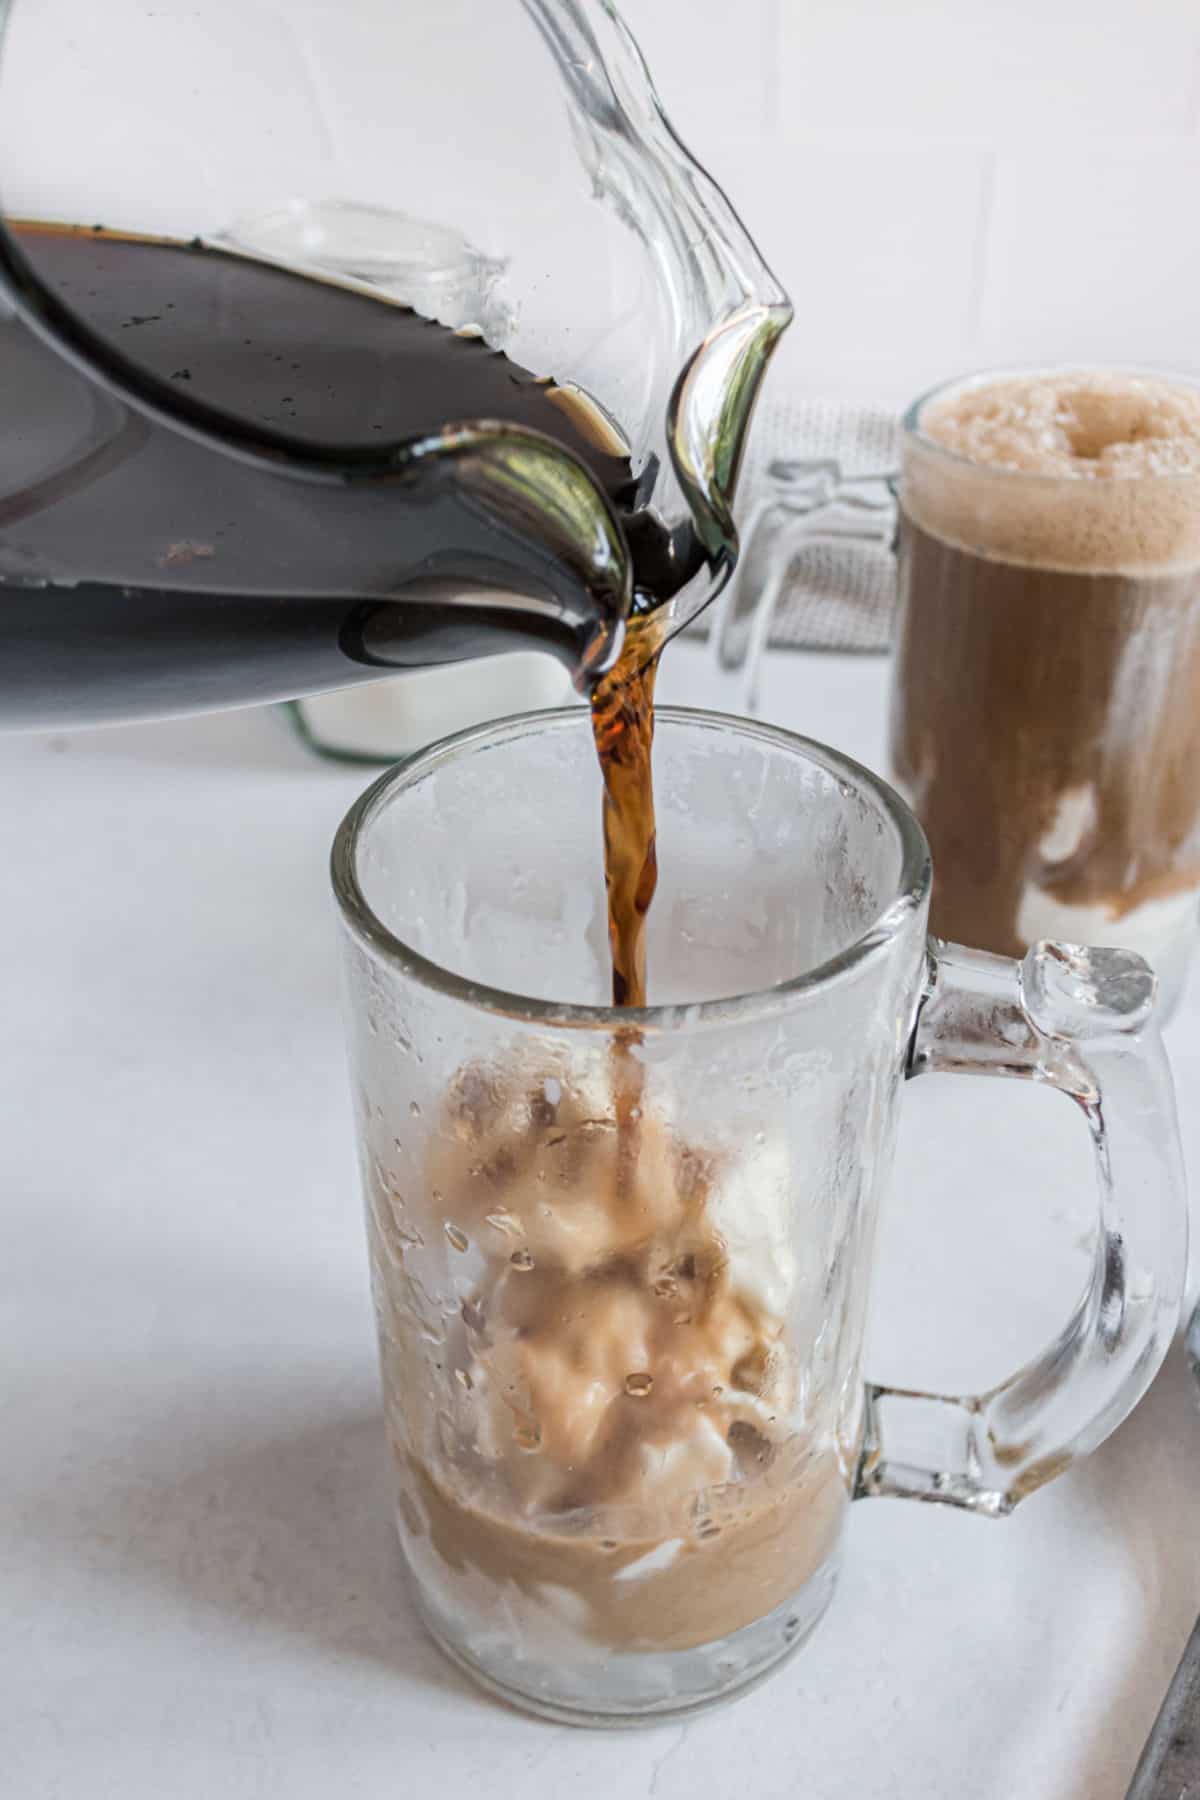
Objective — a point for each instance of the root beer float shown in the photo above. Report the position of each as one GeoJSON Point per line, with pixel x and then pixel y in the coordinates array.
{"type": "Point", "coordinates": [1046, 702]}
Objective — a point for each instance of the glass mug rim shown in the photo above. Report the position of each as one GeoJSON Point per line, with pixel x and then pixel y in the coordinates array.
{"type": "Point", "coordinates": [910, 422]}
{"type": "Point", "coordinates": [911, 890]}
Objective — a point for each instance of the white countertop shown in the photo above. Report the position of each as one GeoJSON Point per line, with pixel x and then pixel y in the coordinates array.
{"type": "Point", "coordinates": [199, 1579]}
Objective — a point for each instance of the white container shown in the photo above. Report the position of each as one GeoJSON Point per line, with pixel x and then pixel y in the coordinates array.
{"type": "Point", "coordinates": [382, 721]}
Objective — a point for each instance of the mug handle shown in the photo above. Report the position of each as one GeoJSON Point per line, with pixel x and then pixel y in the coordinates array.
{"type": "Point", "coordinates": [1078, 1020]}
{"type": "Point", "coordinates": [806, 504]}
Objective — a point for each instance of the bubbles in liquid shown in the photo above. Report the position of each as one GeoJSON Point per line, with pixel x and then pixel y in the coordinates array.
{"type": "Point", "coordinates": [639, 1384]}
{"type": "Point", "coordinates": [458, 1239]}
{"type": "Point", "coordinates": [521, 1259]}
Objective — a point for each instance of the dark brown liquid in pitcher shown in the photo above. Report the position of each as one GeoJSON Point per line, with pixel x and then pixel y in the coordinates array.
{"type": "Point", "coordinates": [143, 571]}
{"type": "Point", "coordinates": [147, 552]}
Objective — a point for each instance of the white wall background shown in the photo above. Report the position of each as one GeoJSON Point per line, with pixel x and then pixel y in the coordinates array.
{"type": "Point", "coordinates": [941, 184]}
{"type": "Point", "coordinates": [947, 184]}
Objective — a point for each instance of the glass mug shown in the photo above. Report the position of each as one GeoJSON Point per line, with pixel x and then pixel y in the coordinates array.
{"type": "Point", "coordinates": [621, 1260]}
{"type": "Point", "coordinates": [1047, 657]}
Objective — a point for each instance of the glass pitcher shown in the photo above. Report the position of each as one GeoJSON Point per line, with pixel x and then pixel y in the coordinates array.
{"type": "Point", "coordinates": [201, 505]}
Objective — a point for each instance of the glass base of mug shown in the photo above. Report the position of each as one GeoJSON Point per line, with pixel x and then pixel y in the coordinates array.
{"type": "Point", "coordinates": [626, 1689]}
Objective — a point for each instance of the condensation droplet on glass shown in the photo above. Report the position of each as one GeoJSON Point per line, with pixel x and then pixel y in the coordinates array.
{"type": "Point", "coordinates": [717, 1392]}
{"type": "Point", "coordinates": [522, 1259]}
{"type": "Point", "coordinates": [458, 1239]}
{"type": "Point", "coordinates": [684, 1318]}
{"type": "Point", "coordinates": [528, 1436]}
{"type": "Point", "coordinates": [414, 1109]}
{"type": "Point", "coordinates": [553, 1091]}
{"type": "Point", "coordinates": [505, 1222]}
{"type": "Point", "coordinates": [464, 1380]}
{"type": "Point", "coordinates": [638, 1385]}
{"type": "Point", "coordinates": [666, 1287]}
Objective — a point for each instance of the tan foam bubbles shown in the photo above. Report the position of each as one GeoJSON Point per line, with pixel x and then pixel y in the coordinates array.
{"type": "Point", "coordinates": [1096, 471]}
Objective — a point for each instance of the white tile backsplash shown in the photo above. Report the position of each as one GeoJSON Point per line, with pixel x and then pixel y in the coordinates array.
{"type": "Point", "coordinates": [712, 63]}
{"type": "Point", "coordinates": [1096, 255]}
{"type": "Point", "coordinates": [944, 184]}
{"type": "Point", "coordinates": [978, 68]}
{"type": "Point", "coordinates": [874, 245]}
{"type": "Point", "coordinates": [939, 183]}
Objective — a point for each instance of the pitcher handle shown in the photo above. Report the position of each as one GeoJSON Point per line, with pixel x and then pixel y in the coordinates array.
{"type": "Point", "coordinates": [1080, 1021]}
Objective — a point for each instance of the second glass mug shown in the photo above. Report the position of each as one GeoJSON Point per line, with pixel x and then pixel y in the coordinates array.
{"type": "Point", "coordinates": [621, 1260]}
{"type": "Point", "coordinates": [1047, 651]}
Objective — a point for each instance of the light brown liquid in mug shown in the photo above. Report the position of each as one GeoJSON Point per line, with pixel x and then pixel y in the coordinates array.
{"type": "Point", "coordinates": [635, 1480]}
{"type": "Point", "coordinates": [1046, 712]}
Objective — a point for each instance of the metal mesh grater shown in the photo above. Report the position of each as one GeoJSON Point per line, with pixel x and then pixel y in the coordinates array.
{"type": "Point", "coordinates": [832, 596]}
